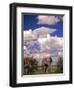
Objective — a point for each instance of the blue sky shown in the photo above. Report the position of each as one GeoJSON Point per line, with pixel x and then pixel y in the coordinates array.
{"type": "Point", "coordinates": [31, 22]}
{"type": "Point", "coordinates": [34, 42]}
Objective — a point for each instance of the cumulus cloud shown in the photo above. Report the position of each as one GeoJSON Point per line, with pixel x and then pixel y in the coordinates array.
{"type": "Point", "coordinates": [52, 45]}
{"type": "Point", "coordinates": [57, 41]}
{"type": "Point", "coordinates": [28, 35]}
{"type": "Point", "coordinates": [42, 19]}
{"type": "Point", "coordinates": [39, 40]}
{"type": "Point", "coordinates": [32, 46]}
{"type": "Point", "coordinates": [43, 31]}
{"type": "Point", "coordinates": [44, 47]}
{"type": "Point", "coordinates": [25, 51]}
{"type": "Point", "coordinates": [47, 44]}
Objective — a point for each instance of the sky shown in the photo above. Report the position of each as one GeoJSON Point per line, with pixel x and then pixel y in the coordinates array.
{"type": "Point", "coordinates": [37, 21]}
{"type": "Point", "coordinates": [43, 33]}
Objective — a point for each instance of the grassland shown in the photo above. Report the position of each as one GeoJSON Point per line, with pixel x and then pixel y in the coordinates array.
{"type": "Point", "coordinates": [53, 69]}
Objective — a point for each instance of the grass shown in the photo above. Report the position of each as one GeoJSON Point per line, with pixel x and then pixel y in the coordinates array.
{"type": "Point", "coordinates": [53, 69]}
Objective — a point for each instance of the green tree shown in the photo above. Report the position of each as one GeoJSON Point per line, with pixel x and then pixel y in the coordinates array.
{"type": "Point", "coordinates": [31, 66]}
{"type": "Point", "coordinates": [60, 65]}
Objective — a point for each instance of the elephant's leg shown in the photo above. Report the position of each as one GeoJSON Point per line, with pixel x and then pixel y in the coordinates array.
{"type": "Point", "coordinates": [46, 68]}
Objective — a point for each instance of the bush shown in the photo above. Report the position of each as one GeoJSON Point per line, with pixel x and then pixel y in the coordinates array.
{"type": "Point", "coordinates": [31, 65]}
{"type": "Point", "coordinates": [60, 65]}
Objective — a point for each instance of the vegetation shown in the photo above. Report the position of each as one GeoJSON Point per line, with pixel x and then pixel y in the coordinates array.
{"type": "Point", "coordinates": [31, 67]}
{"type": "Point", "coordinates": [60, 65]}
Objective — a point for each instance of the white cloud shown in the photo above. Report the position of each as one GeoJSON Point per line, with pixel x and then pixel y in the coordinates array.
{"type": "Point", "coordinates": [52, 45]}
{"type": "Point", "coordinates": [57, 41]}
{"type": "Point", "coordinates": [49, 44]}
{"type": "Point", "coordinates": [26, 52]}
{"type": "Point", "coordinates": [42, 19]}
{"type": "Point", "coordinates": [28, 35]}
{"type": "Point", "coordinates": [43, 31]}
